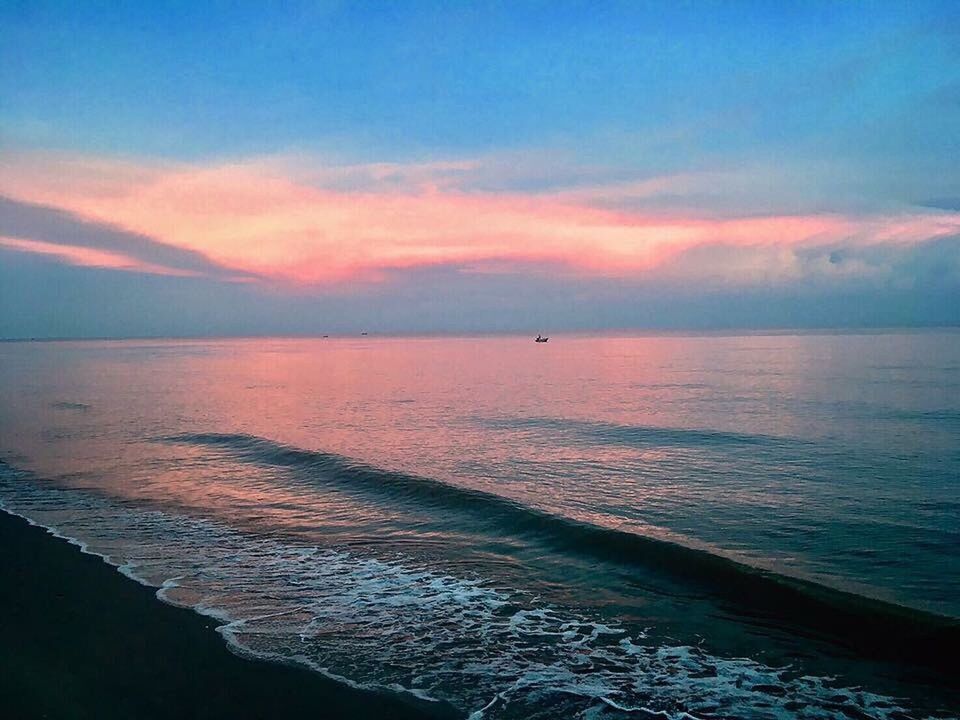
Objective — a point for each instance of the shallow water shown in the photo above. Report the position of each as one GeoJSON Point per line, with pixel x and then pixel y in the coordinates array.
{"type": "Point", "coordinates": [523, 529]}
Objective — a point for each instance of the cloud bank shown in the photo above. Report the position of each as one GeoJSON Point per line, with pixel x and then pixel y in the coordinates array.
{"type": "Point", "coordinates": [309, 227]}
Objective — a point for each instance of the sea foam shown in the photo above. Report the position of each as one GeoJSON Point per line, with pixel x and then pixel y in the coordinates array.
{"type": "Point", "coordinates": [394, 623]}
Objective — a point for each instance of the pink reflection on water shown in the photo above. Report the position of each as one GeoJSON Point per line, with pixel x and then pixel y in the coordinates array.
{"type": "Point", "coordinates": [536, 423]}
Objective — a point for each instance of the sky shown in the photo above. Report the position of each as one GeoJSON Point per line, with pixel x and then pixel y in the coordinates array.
{"type": "Point", "coordinates": [220, 168]}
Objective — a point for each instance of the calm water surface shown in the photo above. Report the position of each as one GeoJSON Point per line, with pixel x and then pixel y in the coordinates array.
{"type": "Point", "coordinates": [520, 529]}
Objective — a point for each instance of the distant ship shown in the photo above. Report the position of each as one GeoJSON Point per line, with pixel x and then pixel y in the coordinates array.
{"type": "Point", "coordinates": [540, 338]}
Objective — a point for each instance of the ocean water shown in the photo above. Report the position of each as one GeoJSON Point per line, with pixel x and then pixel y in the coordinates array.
{"type": "Point", "coordinates": [756, 526]}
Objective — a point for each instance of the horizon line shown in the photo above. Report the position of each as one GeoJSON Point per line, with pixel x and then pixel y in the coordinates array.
{"type": "Point", "coordinates": [374, 334]}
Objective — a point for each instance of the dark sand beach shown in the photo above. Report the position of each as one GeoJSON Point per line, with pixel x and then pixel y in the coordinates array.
{"type": "Point", "coordinates": [79, 640]}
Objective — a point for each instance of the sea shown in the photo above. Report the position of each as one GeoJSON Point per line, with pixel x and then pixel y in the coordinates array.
{"type": "Point", "coordinates": [761, 525]}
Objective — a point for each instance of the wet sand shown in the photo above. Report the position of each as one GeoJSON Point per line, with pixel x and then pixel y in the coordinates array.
{"type": "Point", "coordinates": [79, 640]}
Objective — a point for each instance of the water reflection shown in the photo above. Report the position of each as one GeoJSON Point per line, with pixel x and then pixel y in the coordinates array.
{"type": "Point", "coordinates": [799, 451]}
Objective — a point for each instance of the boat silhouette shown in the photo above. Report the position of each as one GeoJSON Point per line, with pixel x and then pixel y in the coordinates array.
{"type": "Point", "coordinates": [540, 338]}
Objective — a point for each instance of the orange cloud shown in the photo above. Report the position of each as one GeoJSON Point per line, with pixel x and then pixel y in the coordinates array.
{"type": "Point", "coordinates": [283, 220]}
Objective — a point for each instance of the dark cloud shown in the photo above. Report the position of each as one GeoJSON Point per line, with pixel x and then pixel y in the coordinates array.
{"type": "Point", "coordinates": [912, 287]}
{"type": "Point", "coordinates": [28, 221]}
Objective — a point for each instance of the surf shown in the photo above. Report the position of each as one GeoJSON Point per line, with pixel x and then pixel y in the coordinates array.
{"type": "Point", "coordinates": [400, 626]}
{"type": "Point", "coordinates": [759, 596]}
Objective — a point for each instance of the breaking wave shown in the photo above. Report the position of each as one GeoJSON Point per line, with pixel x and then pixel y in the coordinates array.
{"type": "Point", "coordinates": [397, 623]}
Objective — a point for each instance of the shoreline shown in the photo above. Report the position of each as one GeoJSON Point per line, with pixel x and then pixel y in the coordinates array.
{"type": "Point", "coordinates": [80, 640]}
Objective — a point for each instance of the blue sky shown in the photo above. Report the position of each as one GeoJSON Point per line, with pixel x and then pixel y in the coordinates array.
{"type": "Point", "coordinates": [693, 111]}
{"type": "Point", "coordinates": [215, 79]}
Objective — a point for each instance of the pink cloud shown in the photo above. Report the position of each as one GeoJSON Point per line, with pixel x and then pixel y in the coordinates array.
{"type": "Point", "coordinates": [305, 223]}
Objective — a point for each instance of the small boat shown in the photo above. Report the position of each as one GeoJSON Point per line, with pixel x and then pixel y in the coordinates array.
{"type": "Point", "coordinates": [540, 338]}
